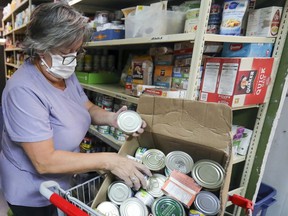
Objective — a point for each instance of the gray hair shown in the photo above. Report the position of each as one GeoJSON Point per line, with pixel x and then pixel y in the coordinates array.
{"type": "Point", "coordinates": [54, 25]}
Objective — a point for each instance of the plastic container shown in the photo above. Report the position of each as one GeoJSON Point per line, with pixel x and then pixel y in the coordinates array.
{"type": "Point", "coordinates": [154, 24]}
{"type": "Point", "coordinates": [265, 198]}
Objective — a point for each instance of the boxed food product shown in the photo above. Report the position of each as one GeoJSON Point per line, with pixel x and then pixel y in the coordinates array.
{"type": "Point", "coordinates": [97, 78]}
{"type": "Point", "coordinates": [163, 59]}
{"type": "Point", "coordinates": [181, 72]}
{"type": "Point", "coordinates": [264, 22]}
{"type": "Point", "coordinates": [179, 83]}
{"type": "Point", "coordinates": [138, 89]}
{"type": "Point", "coordinates": [163, 76]}
{"type": "Point", "coordinates": [108, 34]}
{"type": "Point", "coordinates": [142, 68]}
{"type": "Point", "coordinates": [200, 129]}
{"type": "Point", "coordinates": [247, 50]}
{"type": "Point", "coordinates": [164, 92]}
{"type": "Point", "coordinates": [241, 139]}
{"type": "Point", "coordinates": [236, 81]}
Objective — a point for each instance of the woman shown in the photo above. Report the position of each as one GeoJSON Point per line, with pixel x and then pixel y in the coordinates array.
{"type": "Point", "coordinates": [46, 115]}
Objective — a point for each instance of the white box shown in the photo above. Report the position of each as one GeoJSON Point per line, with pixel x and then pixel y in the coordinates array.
{"type": "Point", "coordinates": [264, 22]}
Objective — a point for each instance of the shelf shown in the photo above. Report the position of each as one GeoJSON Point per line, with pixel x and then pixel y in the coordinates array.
{"type": "Point", "coordinates": [246, 107]}
{"type": "Point", "coordinates": [237, 191]}
{"type": "Point", "coordinates": [112, 90]}
{"type": "Point", "coordinates": [109, 139]}
{"type": "Point", "coordinates": [147, 40]}
{"type": "Point", "coordinates": [13, 49]}
{"type": "Point", "coordinates": [20, 29]}
{"type": "Point", "coordinates": [237, 39]}
{"type": "Point", "coordinates": [238, 159]}
{"type": "Point", "coordinates": [13, 65]}
{"type": "Point", "coordinates": [21, 5]}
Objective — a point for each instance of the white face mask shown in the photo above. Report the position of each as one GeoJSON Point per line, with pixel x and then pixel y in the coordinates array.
{"type": "Point", "coordinates": [60, 70]}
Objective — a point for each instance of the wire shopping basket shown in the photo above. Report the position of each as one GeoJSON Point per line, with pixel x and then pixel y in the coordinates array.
{"type": "Point", "coordinates": [75, 201]}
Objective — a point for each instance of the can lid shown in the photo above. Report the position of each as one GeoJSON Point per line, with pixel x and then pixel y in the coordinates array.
{"type": "Point", "coordinates": [207, 203]}
{"type": "Point", "coordinates": [167, 206]}
{"type": "Point", "coordinates": [179, 160]}
{"type": "Point", "coordinates": [118, 192]}
{"type": "Point", "coordinates": [154, 159]}
{"type": "Point", "coordinates": [208, 174]}
{"type": "Point", "coordinates": [154, 185]}
{"type": "Point", "coordinates": [133, 207]}
{"type": "Point", "coordinates": [129, 121]}
{"type": "Point", "coordinates": [108, 208]}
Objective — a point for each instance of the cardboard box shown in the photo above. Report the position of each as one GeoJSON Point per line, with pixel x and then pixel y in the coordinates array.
{"type": "Point", "coordinates": [164, 59]}
{"type": "Point", "coordinates": [200, 129]}
{"type": "Point", "coordinates": [97, 78]}
{"type": "Point", "coordinates": [236, 81]}
{"type": "Point", "coordinates": [264, 22]}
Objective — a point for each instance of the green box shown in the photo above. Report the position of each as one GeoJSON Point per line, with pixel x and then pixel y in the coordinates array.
{"type": "Point", "coordinates": [97, 78]}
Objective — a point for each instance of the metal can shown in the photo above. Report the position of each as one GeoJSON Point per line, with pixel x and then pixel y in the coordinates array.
{"type": "Point", "coordinates": [108, 208]}
{"type": "Point", "coordinates": [86, 145]}
{"type": "Point", "coordinates": [145, 197]}
{"type": "Point", "coordinates": [119, 135]}
{"type": "Point", "coordinates": [207, 203]}
{"type": "Point", "coordinates": [194, 212]}
{"type": "Point", "coordinates": [154, 185]}
{"type": "Point", "coordinates": [167, 206]}
{"type": "Point", "coordinates": [139, 153]}
{"type": "Point", "coordinates": [107, 103]}
{"type": "Point", "coordinates": [104, 129]}
{"type": "Point", "coordinates": [118, 192]}
{"type": "Point", "coordinates": [179, 160]}
{"type": "Point", "coordinates": [132, 207]}
{"type": "Point", "coordinates": [129, 121]}
{"type": "Point", "coordinates": [154, 159]}
{"type": "Point", "coordinates": [208, 173]}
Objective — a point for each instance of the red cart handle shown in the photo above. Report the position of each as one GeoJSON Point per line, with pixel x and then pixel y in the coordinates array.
{"type": "Point", "coordinates": [242, 202]}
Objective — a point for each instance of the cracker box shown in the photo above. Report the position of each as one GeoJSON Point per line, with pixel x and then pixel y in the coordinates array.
{"type": "Point", "coordinates": [200, 129]}
{"type": "Point", "coordinates": [236, 81]}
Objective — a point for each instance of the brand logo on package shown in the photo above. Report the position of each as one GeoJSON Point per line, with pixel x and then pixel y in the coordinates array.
{"type": "Point", "coordinates": [235, 47]}
{"type": "Point", "coordinates": [245, 84]}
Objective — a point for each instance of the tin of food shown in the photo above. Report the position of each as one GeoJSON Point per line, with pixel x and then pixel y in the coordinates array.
{"type": "Point", "coordinates": [194, 212]}
{"type": "Point", "coordinates": [155, 183]}
{"type": "Point", "coordinates": [207, 203]}
{"type": "Point", "coordinates": [108, 208]}
{"type": "Point", "coordinates": [178, 160]}
{"type": "Point", "coordinates": [118, 192]}
{"type": "Point", "coordinates": [167, 206]}
{"type": "Point", "coordinates": [133, 207]}
{"type": "Point", "coordinates": [145, 197]}
{"type": "Point", "coordinates": [139, 152]}
{"type": "Point", "coordinates": [154, 159]}
{"type": "Point", "coordinates": [208, 173]}
{"type": "Point", "coordinates": [129, 121]}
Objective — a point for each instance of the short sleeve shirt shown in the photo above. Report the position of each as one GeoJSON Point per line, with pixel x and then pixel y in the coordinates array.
{"type": "Point", "coordinates": [34, 110]}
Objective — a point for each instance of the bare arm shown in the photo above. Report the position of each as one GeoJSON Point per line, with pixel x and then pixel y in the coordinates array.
{"type": "Point", "coordinates": [48, 160]}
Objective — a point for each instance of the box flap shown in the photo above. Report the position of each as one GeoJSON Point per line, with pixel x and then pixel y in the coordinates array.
{"type": "Point", "coordinates": [207, 124]}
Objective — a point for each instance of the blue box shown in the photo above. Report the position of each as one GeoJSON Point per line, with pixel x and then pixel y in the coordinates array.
{"type": "Point", "coordinates": [108, 34]}
{"type": "Point", "coordinates": [247, 50]}
{"type": "Point", "coordinates": [265, 198]}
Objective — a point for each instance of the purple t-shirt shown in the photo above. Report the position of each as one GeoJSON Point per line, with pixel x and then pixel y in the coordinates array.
{"type": "Point", "coordinates": [34, 110]}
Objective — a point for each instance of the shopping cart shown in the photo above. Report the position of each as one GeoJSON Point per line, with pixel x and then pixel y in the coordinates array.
{"type": "Point", "coordinates": [73, 202]}
{"type": "Point", "coordinates": [242, 202]}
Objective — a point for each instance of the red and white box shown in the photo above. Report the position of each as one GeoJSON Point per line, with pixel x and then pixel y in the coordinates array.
{"type": "Point", "coordinates": [236, 81]}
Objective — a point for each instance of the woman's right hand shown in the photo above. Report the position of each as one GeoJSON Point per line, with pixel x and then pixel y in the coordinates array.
{"type": "Point", "coordinates": [130, 171]}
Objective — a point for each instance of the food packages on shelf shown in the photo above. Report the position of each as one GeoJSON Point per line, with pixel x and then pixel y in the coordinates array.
{"type": "Point", "coordinates": [165, 92]}
{"type": "Point", "coordinates": [163, 76]}
{"type": "Point", "coordinates": [233, 17]}
{"type": "Point", "coordinates": [142, 70]}
{"type": "Point", "coordinates": [236, 81]}
{"type": "Point", "coordinates": [241, 139]}
{"type": "Point", "coordinates": [202, 130]}
{"type": "Point", "coordinates": [264, 22]}
{"type": "Point", "coordinates": [247, 50]}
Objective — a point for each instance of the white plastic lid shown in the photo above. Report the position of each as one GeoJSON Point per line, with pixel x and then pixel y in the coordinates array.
{"type": "Point", "coordinates": [129, 121]}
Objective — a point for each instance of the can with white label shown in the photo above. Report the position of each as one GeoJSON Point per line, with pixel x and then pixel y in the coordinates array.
{"type": "Point", "coordinates": [118, 192]}
{"type": "Point", "coordinates": [145, 197]}
{"type": "Point", "coordinates": [154, 159]}
{"type": "Point", "coordinates": [133, 206]}
{"type": "Point", "coordinates": [129, 121]}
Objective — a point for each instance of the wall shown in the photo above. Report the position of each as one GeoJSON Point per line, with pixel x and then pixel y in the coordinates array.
{"type": "Point", "coordinates": [275, 173]}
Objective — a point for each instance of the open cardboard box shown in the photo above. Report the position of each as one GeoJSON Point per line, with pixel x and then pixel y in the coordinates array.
{"type": "Point", "coordinates": [201, 129]}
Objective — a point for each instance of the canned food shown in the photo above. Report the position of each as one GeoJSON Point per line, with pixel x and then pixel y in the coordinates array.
{"type": "Point", "coordinates": [154, 159]}
{"type": "Point", "coordinates": [129, 121]}
{"type": "Point", "coordinates": [107, 102]}
{"type": "Point", "coordinates": [207, 203]}
{"type": "Point", "coordinates": [86, 145]}
{"type": "Point", "coordinates": [208, 173]}
{"type": "Point", "coordinates": [108, 208]}
{"type": "Point", "coordinates": [139, 153]}
{"type": "Point", "coordinates": [118, 192]}
{"type": "Point", "coordinates": [167, 206]}
{"type": "Point", "coordinates": [104, 129]}
{"type": "Point", "coordinates": [133, 207]}
{"type": "Point", "coordinates": [179, 160]}
{"type": "Point", "coordinates": [154, 185]}
{"type": "Point", "coordinates": [145, 197]}
{"type": "Point", "coordinates": [194, 212]}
